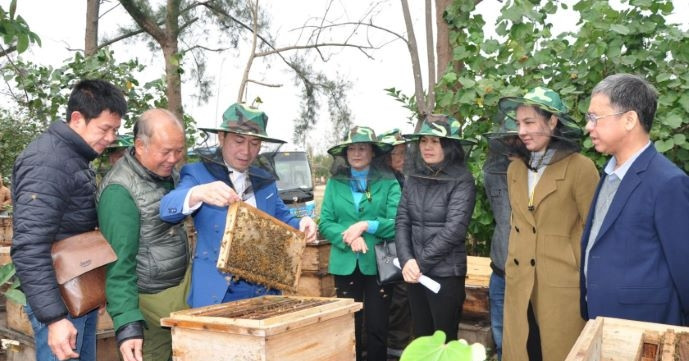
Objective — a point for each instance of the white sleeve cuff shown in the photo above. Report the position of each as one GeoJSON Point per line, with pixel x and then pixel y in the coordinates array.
{"type": "Point", "coordinates": [186, 208]}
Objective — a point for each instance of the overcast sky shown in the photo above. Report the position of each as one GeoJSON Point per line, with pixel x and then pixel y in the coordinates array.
{"type": "Point", "coordinates": [60, 24]}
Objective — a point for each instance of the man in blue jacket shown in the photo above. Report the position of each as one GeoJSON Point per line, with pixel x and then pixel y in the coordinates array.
{"type": "Point", "coordinates": [54, 198]}
{"type": "Point", "coordinates": [207, 188]}
{"type": "Point", "coordinates": [635, 244]}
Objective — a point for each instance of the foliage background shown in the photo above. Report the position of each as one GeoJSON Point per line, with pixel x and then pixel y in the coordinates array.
{"type": "Point", "coordinates": [636, 39]}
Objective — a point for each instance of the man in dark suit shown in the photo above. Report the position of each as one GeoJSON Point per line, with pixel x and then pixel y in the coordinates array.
{"type": "Point", "coordinates": [635, 246]}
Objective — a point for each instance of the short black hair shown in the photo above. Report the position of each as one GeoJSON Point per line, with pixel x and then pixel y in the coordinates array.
{"type": "Point", "coordinates": [90, 97]}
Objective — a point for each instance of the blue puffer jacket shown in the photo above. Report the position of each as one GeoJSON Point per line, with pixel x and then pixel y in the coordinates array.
{"type": "Point", "coordinates": [53, 191]}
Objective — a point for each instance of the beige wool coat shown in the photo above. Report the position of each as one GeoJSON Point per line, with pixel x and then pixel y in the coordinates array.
{"type": "Point", "coordinates": [544, 255]}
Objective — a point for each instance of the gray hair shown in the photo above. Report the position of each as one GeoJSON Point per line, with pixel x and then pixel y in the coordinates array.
{"type": "Point", "coordinates": [143, 129]}
{"type": "Point", "coordinates": [629, 92]}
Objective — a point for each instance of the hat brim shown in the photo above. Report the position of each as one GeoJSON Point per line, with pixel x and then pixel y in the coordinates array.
{"type": "Point", "coordinates": [493, 135]}
{"type": "Point", "coordinates": [416, 136]}
{"type": "Point", "coordinates": [260, 136]}
{"type": "Point", "coordinates": [509, 105]}
{"type": "Point", "coordinates": [340, 148]}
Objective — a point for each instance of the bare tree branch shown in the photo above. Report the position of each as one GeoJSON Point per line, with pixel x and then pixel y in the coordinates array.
{"type": "Point", "coordinates": [370, 25]}
{"type": "Point", "coordinates": [264, 84]}
{"type": "Point", "coordinates": [145, 22]}
{"type": "Point", "coordinates": [254, 40]}
{"type": "Point", "coordinates": [315, 46]}
{"type": "Point", "coordinates": [202, 47]}
{"type": "Point", "coordinates": [120, 38]}
{"type": "Point", "coordinates": [100, 15]}
{"type": "Point", "coordinates": [430, 100]}
{"type": "Point", "coordinates": [8, 51]}
{"type": "Point", "coordinates": [16, 69]}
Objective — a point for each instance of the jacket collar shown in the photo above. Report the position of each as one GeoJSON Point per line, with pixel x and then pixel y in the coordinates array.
{"type": "Point", "coordinates": [629, 183]}
{"type": "Point", "coordinates": [547, 184]}
{"type": "Point", "coordinates": [215, 165]}
{"type": "Point", "coordinates": [62, 130]}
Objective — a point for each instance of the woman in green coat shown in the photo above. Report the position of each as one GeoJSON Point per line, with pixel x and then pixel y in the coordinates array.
{"type": "Point", "coordinates": [358, 211]}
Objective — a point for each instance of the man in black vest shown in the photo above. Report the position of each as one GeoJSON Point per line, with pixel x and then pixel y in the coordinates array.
{"type": "Point", "coordinates": [148, 280]}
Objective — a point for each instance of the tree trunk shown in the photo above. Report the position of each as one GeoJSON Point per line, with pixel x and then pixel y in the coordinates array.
{"type": "Point", "coordinates": [442, 45]}
{"type": "Point", "coordinates": [168, 39]}
{"type": "Point", "coordinates": [173, 79]}
{"type": "Point", "coordinates": [91, 32]}
{"type": "Point", "coordinates": [416, 66]}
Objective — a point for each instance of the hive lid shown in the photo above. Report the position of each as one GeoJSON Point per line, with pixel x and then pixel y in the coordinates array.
{"type": "Point", "coordinates": [262, 316]}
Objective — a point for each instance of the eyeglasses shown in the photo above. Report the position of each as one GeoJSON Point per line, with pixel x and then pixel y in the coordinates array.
{"type": "Point", "coordinates": [595, 118]}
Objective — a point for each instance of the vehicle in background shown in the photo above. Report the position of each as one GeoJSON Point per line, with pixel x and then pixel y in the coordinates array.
{"type": "Point", "coordinates": [295, 183]}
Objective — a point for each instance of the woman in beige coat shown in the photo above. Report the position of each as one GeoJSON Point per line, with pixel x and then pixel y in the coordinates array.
{"type": "Point", "coordinates": [550, 187]}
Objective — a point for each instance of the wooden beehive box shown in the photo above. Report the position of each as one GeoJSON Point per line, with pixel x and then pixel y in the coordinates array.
{"type": "Point", "coordinates": [267, 328]}
{"type": "Point", "coordinates": [5, 230]}
{"type": "Point", "coordinates": [476, 306]}
{"type": "Point", "coordinates": [5, 255]}
{"type": "Point", "coordinates": [614, 339]}
{"type": "Point", "coordinates": [259, 248]}
{"type": "Point", "coordinates": [315, 281]}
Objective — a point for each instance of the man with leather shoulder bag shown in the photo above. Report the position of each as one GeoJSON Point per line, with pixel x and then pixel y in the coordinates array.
{"type": "Point", "coordinates": [53, 192]}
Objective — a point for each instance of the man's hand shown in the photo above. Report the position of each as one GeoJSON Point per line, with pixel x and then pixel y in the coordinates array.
{"type": "Point", "coordinates": [411, 271]}
{"type": "Point", "coordinates": [354, 231]}
{"type": "Point", "coordinates": [308, 226]}
{"type": "Point", "coordinates": [62, 339]}
{"type": "Point", "coordinates": [216, 193]}
{"type": "Point", "coordinates": [131, 349]}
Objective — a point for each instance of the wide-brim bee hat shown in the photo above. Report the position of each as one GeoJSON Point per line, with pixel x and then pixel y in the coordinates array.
{"type": "Point", "coordinates": [360, 134]}
{"type": "Point", "coordinates": [545, 99]}
{"type": "Point", "coordinates": [393, 137]}
{"type": "Point", "coordinates": [442, 126]}
{"type": "Point", "coordinates": [242, 119]}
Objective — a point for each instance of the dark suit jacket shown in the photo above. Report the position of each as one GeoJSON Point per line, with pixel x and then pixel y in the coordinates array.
{"type": "Point", "coordinates": [639, 265]}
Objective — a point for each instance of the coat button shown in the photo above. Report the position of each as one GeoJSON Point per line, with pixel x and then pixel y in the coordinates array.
{"type": "Point", "coordinates": [533, 262]}
{"type": "Point", "coordinates": [516, 261]}
{"type": "Point", "coordinates": [516, 228]}
{"type": "Point", "coordinates": [533, 229]}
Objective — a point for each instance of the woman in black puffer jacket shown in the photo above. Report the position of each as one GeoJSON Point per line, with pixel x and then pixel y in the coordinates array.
{"type": "Point", "coordinates": [431, 225]}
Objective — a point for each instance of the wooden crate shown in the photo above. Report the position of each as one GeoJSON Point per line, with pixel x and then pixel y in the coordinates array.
{"type": "Point", "coordinates": [316, 256]}
{"type": "Point", "coordinates": [5, 255]}
{"type": "Point", "coordinates": [5, 230]}
{"type": "Point", "coordinates": [267, 328]}
{"type": "Point", "coordinates": [259, 248]}
{"type": "Point", "coordinates": [316, 284]}
{"type": "Point", "coordinates": [614, 339]}
{"type": "Point", "coordinates": [476, 305]}
{"type": "Point", "coordinates": [18, 320]}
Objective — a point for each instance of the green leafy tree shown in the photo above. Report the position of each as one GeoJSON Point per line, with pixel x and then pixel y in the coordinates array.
{"type": "Point", "coordinates": [15, 31]}
{"type": "Point", "coordinates": [635, 39]}
{"type": "Point", "coordinates": [41, 92]}
{"type": "Point", "coordinates": [14, 136]}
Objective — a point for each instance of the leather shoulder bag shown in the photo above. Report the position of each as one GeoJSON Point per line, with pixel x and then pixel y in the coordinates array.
{"type": "Point", "coordinates": [79, 263]}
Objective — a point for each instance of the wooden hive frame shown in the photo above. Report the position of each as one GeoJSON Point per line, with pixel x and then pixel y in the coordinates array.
{"type": "Point", "coordinates": [261, 249]}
